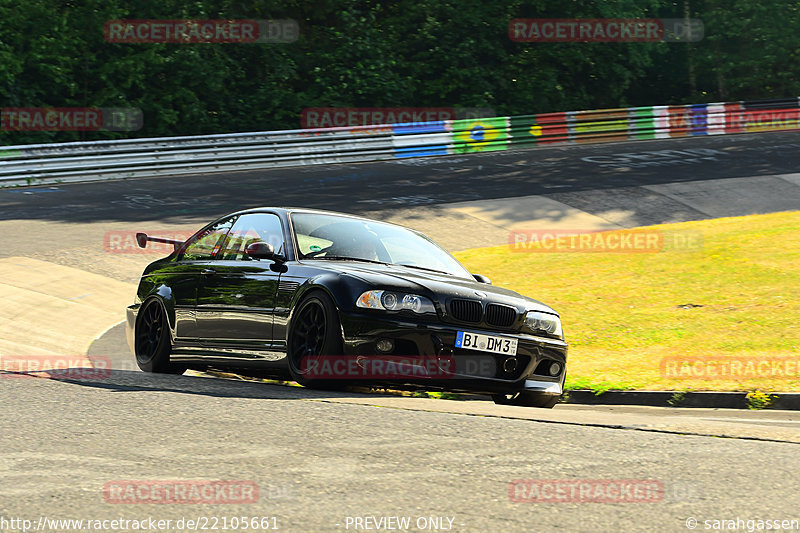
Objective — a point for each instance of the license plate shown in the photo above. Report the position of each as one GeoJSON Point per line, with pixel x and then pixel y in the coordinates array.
{"type": "Point", "coordinates": [486, 343]}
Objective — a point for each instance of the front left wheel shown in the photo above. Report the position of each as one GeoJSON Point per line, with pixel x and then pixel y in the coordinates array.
{"type": "Point", "coordinates": [152, 340]}
{"type": "Point", "coordinates": [314, 334]}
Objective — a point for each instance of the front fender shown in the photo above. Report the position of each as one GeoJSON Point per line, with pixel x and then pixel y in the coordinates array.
{"type": "Point", "coordinates": [163, 294]}
{"type": "Point", "coordinates": [343, 290]}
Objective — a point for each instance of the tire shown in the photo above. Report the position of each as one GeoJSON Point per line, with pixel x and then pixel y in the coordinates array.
{"type": "Point", "coordinates": [527, 399]}
{"type": "Point", "coordinates": [314, 331]}
{"type": "Point", "coordinates": [152, 343]}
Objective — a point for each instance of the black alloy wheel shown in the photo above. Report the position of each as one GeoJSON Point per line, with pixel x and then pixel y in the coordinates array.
{"type": "Point", "coordinates": [152, 340]}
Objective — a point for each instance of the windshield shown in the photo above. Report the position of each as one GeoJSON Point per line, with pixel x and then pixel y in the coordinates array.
{"type": "Point", "coordinates": [321, 236]}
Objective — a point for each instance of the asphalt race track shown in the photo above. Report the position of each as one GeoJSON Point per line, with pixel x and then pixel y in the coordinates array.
{"type": "Point", "coordinates": [335, 461]}
{"type": "Point", "coordinates": [567, 173]}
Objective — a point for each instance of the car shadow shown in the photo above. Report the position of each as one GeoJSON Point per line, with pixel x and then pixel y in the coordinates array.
{"type": "Point", "coordinates": [203, 385]}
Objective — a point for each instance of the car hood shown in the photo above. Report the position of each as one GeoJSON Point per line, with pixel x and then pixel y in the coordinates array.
{"type": "Point", "coordinates": [398, 277]}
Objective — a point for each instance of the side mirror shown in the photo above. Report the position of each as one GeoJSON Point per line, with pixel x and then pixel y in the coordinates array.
{"type": "Point", "coordinates": [262, 250]}
{"type": "Point", "coordinates": [482, 279]}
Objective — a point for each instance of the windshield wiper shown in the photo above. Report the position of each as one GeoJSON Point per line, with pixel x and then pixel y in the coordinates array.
{"type": "Point", "coordinates": [345, 258]}
{"type": "Point", "coordinates": [422, 268]}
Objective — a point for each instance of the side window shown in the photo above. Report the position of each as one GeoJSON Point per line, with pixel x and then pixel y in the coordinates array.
{"type": "Point", "coordinates": [255, 227]}
{"type": "Point", "coordinates": [205, 244]}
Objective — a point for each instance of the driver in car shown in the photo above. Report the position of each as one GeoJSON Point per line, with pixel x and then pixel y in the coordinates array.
{"type": "Point", "coordinates": [362, 245]}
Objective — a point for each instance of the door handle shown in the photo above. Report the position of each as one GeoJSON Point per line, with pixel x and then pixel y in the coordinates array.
{"type": "Point", "coordinates": [208, 272]}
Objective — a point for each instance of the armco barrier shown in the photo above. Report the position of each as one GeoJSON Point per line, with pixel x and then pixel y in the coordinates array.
{"type": "Point", "coordinates": [171, 156]}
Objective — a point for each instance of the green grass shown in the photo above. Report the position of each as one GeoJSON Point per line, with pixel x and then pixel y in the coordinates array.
{"type": "Point", "coordinates": [734, 295]}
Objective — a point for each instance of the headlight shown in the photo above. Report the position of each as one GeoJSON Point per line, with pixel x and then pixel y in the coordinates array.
{"type": "Point", "coordinates": [537, 322]}
{"type": "Point", "coordinates": [395, 301]}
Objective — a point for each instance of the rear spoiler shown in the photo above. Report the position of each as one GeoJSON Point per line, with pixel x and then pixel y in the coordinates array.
{"type": "Point", "coordinates": [142, 238]}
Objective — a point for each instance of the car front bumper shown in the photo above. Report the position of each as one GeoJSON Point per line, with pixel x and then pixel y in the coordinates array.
{"type": "Point", "coordinates": [475, 371]}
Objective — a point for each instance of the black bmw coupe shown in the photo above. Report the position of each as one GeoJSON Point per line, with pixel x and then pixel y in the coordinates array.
{"type": "Point", "coordinates": [328, 299]}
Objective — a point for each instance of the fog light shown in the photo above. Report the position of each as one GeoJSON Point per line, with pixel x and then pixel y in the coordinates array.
{"type": "Point", "coordinates": [384, 345]}
{"type": "Point", "coordinates": [555, 369]}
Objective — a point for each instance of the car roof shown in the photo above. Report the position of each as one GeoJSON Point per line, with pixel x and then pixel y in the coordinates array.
{"type": "Point", "coordinates": [289, 210]}
{"type": "Point", "coordinates": [286, 211]}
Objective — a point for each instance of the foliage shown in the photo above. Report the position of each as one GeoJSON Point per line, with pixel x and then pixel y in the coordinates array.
{"type": "Point", "coordinates": [760, 400]}
{"type": "Point", "coordinates": [677, 398]}
{"type": "Point", "coordinates": [367, 53]}
{"type": "Point", "coordinates": [597, 387]}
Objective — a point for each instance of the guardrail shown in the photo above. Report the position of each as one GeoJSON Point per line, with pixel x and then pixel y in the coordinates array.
{"type": "Point", "coordinates": [172, 156]}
